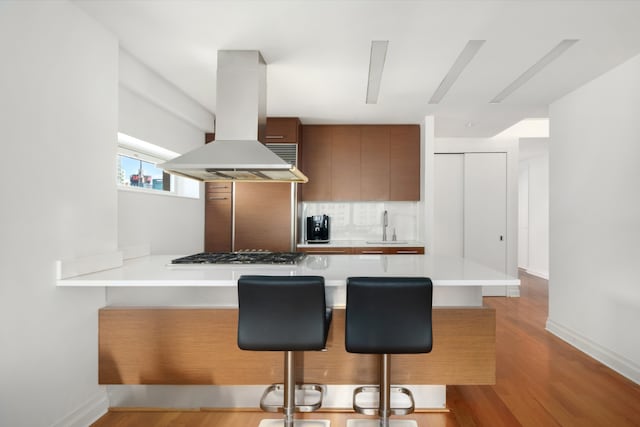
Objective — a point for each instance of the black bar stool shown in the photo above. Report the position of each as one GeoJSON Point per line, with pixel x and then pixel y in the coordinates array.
{"type": "Point", "coordinates": [284, 313]}
{"type": "Point", "coordinates": [387, 315]}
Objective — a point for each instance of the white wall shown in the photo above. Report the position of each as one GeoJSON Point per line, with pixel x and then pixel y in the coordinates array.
{"type": "Point", "coordinates": [534, 201]}
{"type": "Point", "coordinates": [427, 189]}
{"type": "Point", "coordinates": [58, 121]}
{"type": "Point", "coordinates": [523, 216]}
{"type": "Point", "coordinates": [170, 225]}
{"type": "Point", "coordinates": [594, 297]}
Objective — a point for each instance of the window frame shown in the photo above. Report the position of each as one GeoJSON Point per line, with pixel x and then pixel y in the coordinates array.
{"type": "Point", "coordinates": [137, 149]}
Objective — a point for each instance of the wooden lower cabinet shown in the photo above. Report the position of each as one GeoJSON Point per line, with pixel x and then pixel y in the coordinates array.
{"type": "Point", "coordinates": [363, 250]}
{"type": "Point", "coordinates": [326, 251]}
{"type": "Point", "coordinates": [389, 251]}
{"type": "Point", "coordinates": [199, 346]}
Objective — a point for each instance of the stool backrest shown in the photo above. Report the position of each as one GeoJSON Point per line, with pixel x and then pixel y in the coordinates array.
{"type": "Point", "coordinates": [281, 313]}
{"type": "Point", "coordinates": [388, 315]}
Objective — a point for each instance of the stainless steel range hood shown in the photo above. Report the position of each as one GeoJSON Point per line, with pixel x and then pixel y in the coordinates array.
{"type": "Point", "coordinates": [236, 154]}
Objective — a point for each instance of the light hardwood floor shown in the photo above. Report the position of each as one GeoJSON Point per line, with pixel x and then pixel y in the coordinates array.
{"type": "Point", "coordinates": [541, 381]}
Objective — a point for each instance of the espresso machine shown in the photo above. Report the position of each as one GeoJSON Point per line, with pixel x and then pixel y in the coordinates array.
{"type": "Point", "coordinates": [318, 229]}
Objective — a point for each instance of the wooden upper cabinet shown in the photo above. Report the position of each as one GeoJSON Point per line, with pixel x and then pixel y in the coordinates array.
{"type": "Point", "coordinates": [316, 163]}
{"type": "Point", "coordinates": [404, 162]}
{"type": "Point", "coordinates": [374, 163]}
{"type": "Point", "coordinates": [282, 129]}
{"type": "Point", "coordinates": [345, 163]}
{"type": "Point", "coordinates": [361, 162]}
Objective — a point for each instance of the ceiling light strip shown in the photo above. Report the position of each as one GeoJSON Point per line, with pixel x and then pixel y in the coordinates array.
{"type": "Point", "coordinates": [470, 50]}
{"type": "Point", "coordinates": [535, 69]}
{"type": "Point", "coordinates": [376, 65]}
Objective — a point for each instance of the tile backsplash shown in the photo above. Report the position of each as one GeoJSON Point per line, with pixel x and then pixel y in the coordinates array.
{"type": "Point", "coordinates": [363, 220]}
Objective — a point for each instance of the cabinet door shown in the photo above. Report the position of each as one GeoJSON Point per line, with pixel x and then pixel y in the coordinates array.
{"type": "Point", "coordinates": [282, 129]}
{"type": "Point", "coordinates": [325, 251]}
{"type": "Point", "coordinates": [316, 163]}
{"type": "Point", "coordinates": [345, 163]}
{"type": "Point", "coordinates": [485, 209]}
{"type": "Point", "coordinates": [263, 216]}
{"type": "Point", "coordinates": [370, 250]}
{"type": "Point", "coordinates": [411, 250]}
{"type": "Point", "coordinates": [404, 162]}
{"type": "Point", "coordinates": [217, 217]}
{"type": "Point", "coordinates": [374, 163]}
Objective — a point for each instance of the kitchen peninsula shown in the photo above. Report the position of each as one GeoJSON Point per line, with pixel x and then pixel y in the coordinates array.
{"type": "Point", "coordinates": [176, 325]}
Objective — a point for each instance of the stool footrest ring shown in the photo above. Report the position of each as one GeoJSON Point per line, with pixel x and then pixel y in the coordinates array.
{"type": "Point", "coordinates": [274, 388]}
{"type": "Point", "coordinates": [376, 410]}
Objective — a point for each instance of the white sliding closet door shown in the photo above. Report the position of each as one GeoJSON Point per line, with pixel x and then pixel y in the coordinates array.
{"type": "Point", "coordinates": [485, 209]}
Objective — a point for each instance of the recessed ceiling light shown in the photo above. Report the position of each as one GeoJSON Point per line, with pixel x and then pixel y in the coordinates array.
{"type": "Point", "coordinates": [376, 65]}
{"type": "Point", "coordinates": [471, 48]}
{"type": "Point", "coordinates": [535, 69]}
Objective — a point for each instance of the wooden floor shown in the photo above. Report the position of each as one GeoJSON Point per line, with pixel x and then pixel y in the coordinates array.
{"type": "Point", "coordinates": [541, 381]}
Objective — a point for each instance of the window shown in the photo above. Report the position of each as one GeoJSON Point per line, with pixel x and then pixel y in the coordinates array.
{"type": "Point", "coordinates": [135, 172]}
{"type": "Point", "coordinates": [137, 169]}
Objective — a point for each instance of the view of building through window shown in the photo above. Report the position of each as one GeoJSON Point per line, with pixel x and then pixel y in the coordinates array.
{"type": "Point", "coordinates": [139, 173]}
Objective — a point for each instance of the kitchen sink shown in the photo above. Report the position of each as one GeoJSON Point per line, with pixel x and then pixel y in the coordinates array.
{"type": "Point", "coordinates": [386, 242]}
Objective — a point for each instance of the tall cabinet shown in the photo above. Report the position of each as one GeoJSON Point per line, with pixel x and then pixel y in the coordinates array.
{"type": "Point", "coordinates": [249, 215]}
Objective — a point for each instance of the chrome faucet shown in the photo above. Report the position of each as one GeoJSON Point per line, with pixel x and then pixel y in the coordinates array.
{"type": "Point", "coordinates": [385, 224]}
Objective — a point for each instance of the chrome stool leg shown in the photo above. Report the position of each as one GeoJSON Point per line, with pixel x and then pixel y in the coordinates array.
{"type": "Point", "coordinates": [384, 409]}
{"type": "Point", "coordinates": [289, 406]}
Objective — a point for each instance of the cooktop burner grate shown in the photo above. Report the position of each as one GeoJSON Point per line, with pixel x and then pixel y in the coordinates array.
{"type": "Point", "coordinates": [257, 257]}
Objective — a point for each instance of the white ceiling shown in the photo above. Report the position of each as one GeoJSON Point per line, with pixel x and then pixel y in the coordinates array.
{"type": "Point", "coordinates": [318, 53]}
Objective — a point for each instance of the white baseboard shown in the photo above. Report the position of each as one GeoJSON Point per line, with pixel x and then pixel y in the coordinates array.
{"type": "Point", "coordinates": [542, 275]}
{"type": "Point", "coordinates": [87, 413]}
{"type": "Point", "coordinates": [194, 397]}
{"type": "Point", "coordinates": [613, 360]}
{"type": "Point", "coordinates": [513, 291]}
{"type": "Point", "coordinates": [494, 291]}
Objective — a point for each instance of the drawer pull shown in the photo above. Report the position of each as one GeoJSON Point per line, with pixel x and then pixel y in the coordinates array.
{"type": "Point", "coordinates": [275, 136]}
{"type": "Point", "coordinates": [372, 252]}
{"type": "Point", "coordinates": [217, 198]}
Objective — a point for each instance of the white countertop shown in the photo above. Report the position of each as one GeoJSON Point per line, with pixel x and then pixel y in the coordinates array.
{"type": "Point", "coordinates": [362, 243]}
{"type": "Point", "coordinates": [156, 271]}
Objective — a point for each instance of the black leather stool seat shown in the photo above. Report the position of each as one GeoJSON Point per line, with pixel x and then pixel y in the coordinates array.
{"type": "Point", "coordinates": [282, 313]}
{"type": "Point", "coordinates": [387, 315]}
{"type": "Point", "coordinates": [289, 314]}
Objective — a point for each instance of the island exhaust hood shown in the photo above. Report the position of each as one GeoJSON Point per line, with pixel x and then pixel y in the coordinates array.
{"type": "Point", "coordinates": [236, 154]}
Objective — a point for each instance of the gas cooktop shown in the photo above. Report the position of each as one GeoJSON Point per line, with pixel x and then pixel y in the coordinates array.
{"type": "Point", "coordinates": [251, 257]}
